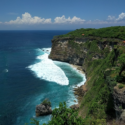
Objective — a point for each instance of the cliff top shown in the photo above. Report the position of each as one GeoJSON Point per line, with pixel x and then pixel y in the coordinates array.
{"type": "Point", "coordinates": [117, 32]}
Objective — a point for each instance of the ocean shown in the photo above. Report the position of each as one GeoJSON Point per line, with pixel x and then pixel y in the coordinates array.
{"type": "Point", "coordinates": [27, 76]}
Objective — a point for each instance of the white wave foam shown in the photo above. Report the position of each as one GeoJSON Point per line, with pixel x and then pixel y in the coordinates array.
{"type": "Point", "coordinates": [47, 70]}
{"type": "Point", "coordinates": [5, 70]}
{"type": "Point", "coordinates": [71, 97]}
{"type": "Point", "coordinates": [81, 83]}
{"type": "Point", "coordinates": [46, 50]}
{"type": "Point", "coordinates": [83, 77]}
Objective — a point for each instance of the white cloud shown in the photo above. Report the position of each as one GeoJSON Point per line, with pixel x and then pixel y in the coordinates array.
{"type": "Point", "coordinates": [68, 20]}
{"type": "Point", "coordinates": [121, 17]}
{"type": "Point", "coordinates": [11, 13]}
{"type": "Point", "coordinates": [97, 21]}
{"type": "Point", "coordinates": [111, 18]}
{"type": "Point", "coordinates": [28, 19]}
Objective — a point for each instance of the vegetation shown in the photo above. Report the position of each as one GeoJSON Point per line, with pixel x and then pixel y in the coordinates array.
{"type": "Point", "coordinates": [120, 86]}
{"type": "Point", "coordinates": [68, 116]}
{"type": "Point", "coordinates": [46, 102]}
{"type": "Point", "coordinates": [103, 74]}
{"type": "Point", "coordinates": [109, 32]}
{"type": "Point", "coordinates": [64, 116]}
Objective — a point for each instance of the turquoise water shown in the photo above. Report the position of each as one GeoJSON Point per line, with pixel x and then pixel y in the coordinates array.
{"type": "Point", "coordinates": [62, 79]}
{"type": "Point", "coordinates": [27, 76]}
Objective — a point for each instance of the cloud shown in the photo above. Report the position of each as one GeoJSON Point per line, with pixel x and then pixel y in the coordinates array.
{"type": "Point", "coordinates": [28, 19]}
{"type": "Point", "coordinates": [121, 17]}
{"type": "Point", "coordinates": [68, 20]}
{"type": "Point", "coordinates": [111, 17]}
{"type": "Point", "coordinates": [11, 13]}
{"type": "Point", "coordinates": [97, 21]}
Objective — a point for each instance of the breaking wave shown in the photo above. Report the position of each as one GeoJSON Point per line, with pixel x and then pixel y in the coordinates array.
{"type": "Point", "coordinates": [47, 70]}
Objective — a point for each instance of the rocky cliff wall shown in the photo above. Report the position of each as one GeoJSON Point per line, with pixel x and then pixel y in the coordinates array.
{"type": "Point", "coordinates": [94, 57]}
{"type": "Point", "coordinates": [62, 51]}
{"type": "Point", "coordinates": [119, 102]}
{"type": "Point", "coordinates": [75, 50]}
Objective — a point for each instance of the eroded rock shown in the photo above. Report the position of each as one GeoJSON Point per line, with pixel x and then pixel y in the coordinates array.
{"type": "Point", "coordinates": [44, 108]}
{"type": "Point", "coordinates": [75, 106]}
{"type": "Point", "coordinates": [119, 101]}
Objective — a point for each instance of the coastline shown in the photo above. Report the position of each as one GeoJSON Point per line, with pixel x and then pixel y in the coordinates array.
{"type": "Point", "coordinates": [77, 67]}
{"type": "Point", "coordinates": [79, 90]}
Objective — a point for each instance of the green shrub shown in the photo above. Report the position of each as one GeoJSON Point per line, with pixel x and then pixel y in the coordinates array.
{"type": "Point", "coordinates": [120, 107]}
{"type": "Point", "coordinates": [46, 102]}
{"type": "Point", "coordinates": [119, 78]}
{"type": "Point", "coordinates": [33, 121]}
{"type": "Point", "coordinates": [62, 116]}
{"type": "Point", "coordinates": [116, 32]}
{"type": "Point", "coordinates": [120, 86]}
{"type": "Point", "coordinates": [65, 116]}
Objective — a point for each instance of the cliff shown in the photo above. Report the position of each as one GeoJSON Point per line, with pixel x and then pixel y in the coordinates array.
{"type": "Point", "coordinates": [75, 51]}
{"type": "Point", "coordinates": [99, 59]}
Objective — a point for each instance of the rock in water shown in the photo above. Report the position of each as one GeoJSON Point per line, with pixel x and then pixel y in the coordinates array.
{"type": "Point", "coordinates": [43, 109]}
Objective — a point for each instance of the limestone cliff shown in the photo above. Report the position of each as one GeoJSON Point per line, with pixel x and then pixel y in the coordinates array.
{"type": "Point", "coordinates": [62, 51]}
{"type": "Point", "coordinates": [75, 50]}
{"type": "Point", "coordinates": [119, 99]}
{"type": "Point", "coordinates": [95, 56]}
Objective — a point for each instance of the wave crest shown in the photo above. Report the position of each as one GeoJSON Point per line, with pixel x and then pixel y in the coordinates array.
{"type": "Point", "coordinates": [47, 70]}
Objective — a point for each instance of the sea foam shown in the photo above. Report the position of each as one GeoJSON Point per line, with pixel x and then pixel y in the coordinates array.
{"type": "Point", "coordinates": [47, 70]}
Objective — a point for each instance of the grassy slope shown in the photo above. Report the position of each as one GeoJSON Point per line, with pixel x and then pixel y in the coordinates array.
{"type": "Point", "coordinates": [102, 75]}
{"type": "Point", "coordinates": [98, 101]}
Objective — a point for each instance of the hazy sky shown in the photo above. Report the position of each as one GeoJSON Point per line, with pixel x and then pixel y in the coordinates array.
{"type": "Point", "coordinates": [60, 14]}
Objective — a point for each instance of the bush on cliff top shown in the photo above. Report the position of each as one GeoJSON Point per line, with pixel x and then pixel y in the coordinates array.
{"type": "Point", "coordinates": [109, 32]}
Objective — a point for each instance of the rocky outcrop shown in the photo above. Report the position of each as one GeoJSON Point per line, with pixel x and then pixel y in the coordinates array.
{"type": "Point", "coordinates": [81, 52]}
{"type": "Point", "coordinates": [104, 44]}
{"type": "Point", "coordinates": [75, 53]}
{"type": "Point", "coordinates": [75, 107]}
{"type": "Point", "coordinates": [97, 57]}
{"type": "Point", "coordinates": [80, 92]}
{"type": "Point", "coordinates": [43, 109]}
{"type": "Point", "coordinates": [119, 101]}
{"type": "Point", "coordinates": [63, 51]}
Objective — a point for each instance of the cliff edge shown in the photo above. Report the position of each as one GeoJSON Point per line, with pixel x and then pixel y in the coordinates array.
{"type": "Point", "coordinates": [100, 59]}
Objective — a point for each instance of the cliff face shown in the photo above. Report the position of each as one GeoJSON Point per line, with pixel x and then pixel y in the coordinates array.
{"type": "Point", "coordinates": [75, 51]}
{"type": "Point", "coordinates": [119, 99]}
{"type": "Point", "coordinates": [62, 51]}
{"type": "Point", "coordinates": [95, 56]}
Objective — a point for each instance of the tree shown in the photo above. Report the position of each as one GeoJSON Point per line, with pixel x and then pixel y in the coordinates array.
{"type": "Point", "coordinates": [62, 116]}
{"type": "Point", "coordinates": [65, 116]}
{"type": "Point", "coordinates": [122, 62]}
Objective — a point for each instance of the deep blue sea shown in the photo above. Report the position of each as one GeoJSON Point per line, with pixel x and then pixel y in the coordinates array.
{"type": "Point", "coordinates": [27, 76]}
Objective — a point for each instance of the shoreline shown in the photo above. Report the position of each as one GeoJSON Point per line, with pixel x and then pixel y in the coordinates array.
{"type": "Point", "coordinates": [78, 68]}
{"type": "Point", "coordinates": [79, 90]}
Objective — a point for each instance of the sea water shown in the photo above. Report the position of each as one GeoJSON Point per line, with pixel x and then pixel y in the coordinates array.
{"type": "Point", "coordinates": [28, 76]}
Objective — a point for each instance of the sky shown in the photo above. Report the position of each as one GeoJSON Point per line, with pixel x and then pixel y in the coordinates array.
{"type": "Point", "coordinates": [60, 14]}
